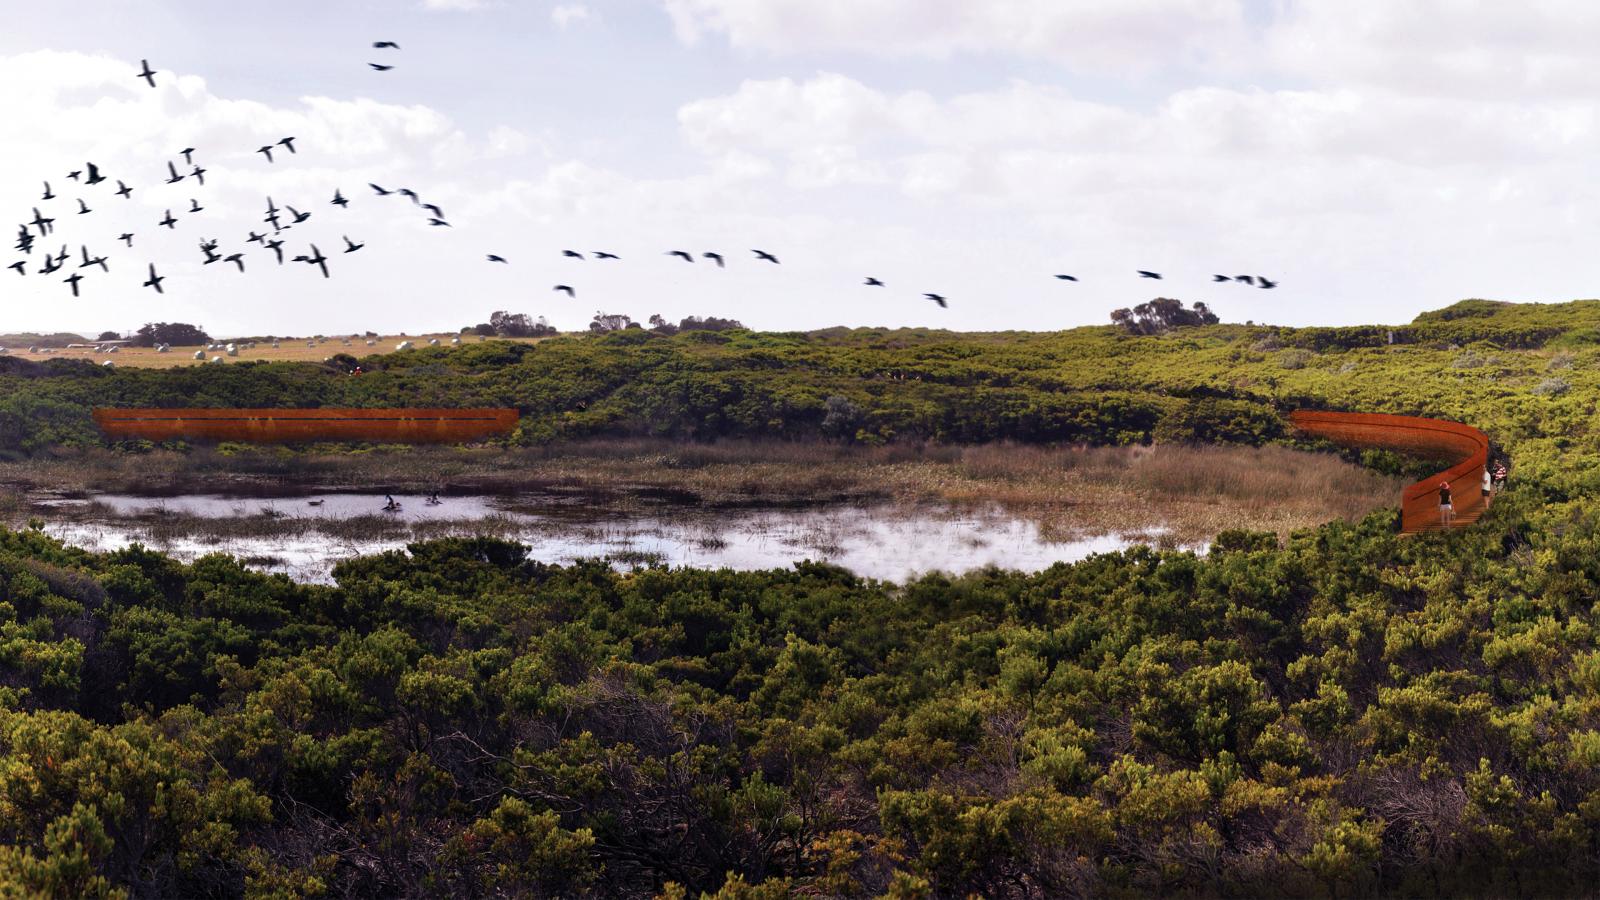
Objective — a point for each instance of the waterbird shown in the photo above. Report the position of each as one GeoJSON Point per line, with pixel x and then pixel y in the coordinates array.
{"type": "Point", "coordinates": [762, 254]}
{"type": "Point", "coordinates": [174, 172]}
{"type": "Point", "coordinates": [155, 280]}
{"type": "Point", "coordinates": [1220, 278]}
{"type": "Point", "coordinates": [88, 261]}
{"type": "Point", "coordinates": [569, 291]}
{"type": "Point", "coordinates": [148, 74]}
{"type": "Point", "coordinates": [194, 206]}
{"type": "Point", "coordinates": [94, 175]}
{"type": "Point", "coordinates": [267, 152]}
{"type": "Point", "coordinates": [47, 194]}
{"type": "Point", "coordinates": [1245, 279]}
{"type": "Point", "coordinates": [338, 199]}
{"type": "Point", "coordinates": [76, 175]}
{"type": "Point", "coordinates": [601, 254]}
{"type": "Point", "coordinates": [873, 282]}
{"type": "Point", "coordinates": [73, 280]}
{"type": "Point", "coordinates": [408, 192]}
{"type": "Point", "coordinates": [298, 215]}
{"type": "Point", "coordinates": [169, 221]}
{"type": "Point", "coordinates": [1144, 274]}
{"type": "Point", "coordinates": [380, 67]}
{"type": "Point", "coordinates": [289, 143]}
{"type": "Point", "coordinates": [684, 254]}
{"type": "Point", "coordinates": [351, 246]}
{"type": "Point", "coordinates": [433, 209]}
{"type": "Point", "coordinates": [572, 254]}
{"type": "Point", "coordinates": [276, 247]}
{"type": "Point", "coordinates": [317, 259]}
{"type": "Point", "coordinates": [199, 175]}
{"type": "Point", "coordinates": [124, 191]}
{"type": "Point", "coordinates": [385, 45]}
{"type": "Point", "coordinates": [51, 264]}
{"type": "Point", "coordinates": [126, 238]}
{"type": "Point", "coordinates": [83, 208]}
{"type": "Point", "coordinates": [438, 222]}
{"type": "Point", "coordinates": [1262, 282]}
{"type": "Point", "coordinates": [188, 156]}
{"type": "Point", "coordinates": [938, 299]}
{"type": "Point", "coordinates": [381, 191]}
{"type": "Point", "coordinates": [237, 259]}
{"type": "Point", "coordinates": [44, 225]}
{"type": "Point", "coordinates": [709, 254]}
{"type": "Point", "coordinates": [1067, 277]}
{"type": "Point", "coordinates": [256, 238]}
{"type": "Point", "coordinates": [313, 502]}
{"type": "Point", "coordinates": [498, 259]}
{"type": "Point", "coordinates": [21, 266]}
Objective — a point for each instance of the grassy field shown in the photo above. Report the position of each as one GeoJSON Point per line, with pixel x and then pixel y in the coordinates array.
{"type": "Point", "coordinates": [287, 351]}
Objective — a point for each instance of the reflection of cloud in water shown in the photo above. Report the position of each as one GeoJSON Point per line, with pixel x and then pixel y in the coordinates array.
{"type": "Point", "coordinates": [885, 541]}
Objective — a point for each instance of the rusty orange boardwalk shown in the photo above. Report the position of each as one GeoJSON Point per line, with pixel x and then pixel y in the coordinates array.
{"type": "Point", "coordinates": [1419, 503]}
{"type": "Point", "coordinates": [411, 426]}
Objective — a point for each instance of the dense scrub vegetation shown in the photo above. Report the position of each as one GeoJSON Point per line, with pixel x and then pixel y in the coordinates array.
{"type": "Point", "coordinates": [1347, 713]}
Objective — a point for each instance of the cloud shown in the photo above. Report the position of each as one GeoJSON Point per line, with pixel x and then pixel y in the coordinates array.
{"type": "Point", "coordinates": [568, 14]}
{"type": "Point", "coordinates": [455, 5]}
{"type": "Point", "coordinates": [1120, 34]}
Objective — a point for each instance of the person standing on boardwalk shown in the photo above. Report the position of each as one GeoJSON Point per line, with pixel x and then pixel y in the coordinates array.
{"type": "Point", "coordinates": [1447, 510]}
{"type": "Point", "coordinates": [1488, 485]}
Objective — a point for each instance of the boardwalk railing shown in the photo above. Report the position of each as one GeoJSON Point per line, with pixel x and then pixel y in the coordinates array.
{"type": "Point", "coordinates": [325, 424]}
{"type": "Point", "coordinates": [1419, 503]}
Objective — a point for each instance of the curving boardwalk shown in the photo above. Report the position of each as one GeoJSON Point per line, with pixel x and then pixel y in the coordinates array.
{"type": "Point", "coordinates": [1419, 503]}
{"type": "Point", "coordinates": [412, 426]}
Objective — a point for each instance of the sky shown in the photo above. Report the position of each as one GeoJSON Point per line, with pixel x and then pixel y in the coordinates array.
{"type": "Point", "coordinates": [1375, 158]}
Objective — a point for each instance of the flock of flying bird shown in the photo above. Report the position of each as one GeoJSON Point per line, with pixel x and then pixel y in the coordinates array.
{"type": "Point", "coordinates": [90, 176]}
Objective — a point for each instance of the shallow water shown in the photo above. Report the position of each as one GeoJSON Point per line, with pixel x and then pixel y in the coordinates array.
{"type": "Point", "coordinates": [305, 536]}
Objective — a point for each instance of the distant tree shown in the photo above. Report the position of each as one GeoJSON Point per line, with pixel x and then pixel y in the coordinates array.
{"type": "Point", "coordinates": [177, 334]}
{"type": "Point", "coordinates": [659, 324]}
{"type": "Point", "coordinates": [109, 336]}
{"type": "Point", "coordinates": [709, 323]}
{"type": "Point", "coordinates": [483, 328]}
{"type": "Point", "coordinates": [604, 322]}
{"type": "Point", "coordinates": [1162, 315]}
{"type": "Point", "coordinates": [508, 324]}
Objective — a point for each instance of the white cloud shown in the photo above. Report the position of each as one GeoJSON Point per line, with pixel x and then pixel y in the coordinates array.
{"type": "Point", "coordinates": [568, 14]}
{"type": "Point", "coordinates": [1121, 34]}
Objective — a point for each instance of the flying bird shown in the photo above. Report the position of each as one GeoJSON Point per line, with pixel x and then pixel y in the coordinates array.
{"type": "Point", "coordinates": [199, 175]}
{"type": "Point", "coordinates": [194, 206]}
{"type": "Point", "coordinates": [44, 225]}
{"type": "Point", "coordinates": [572, 254]}
{"type": "Point", "coordinates": [21, 266]}
{"type": "Point", "coordinates": [317, 259]}
{"type": "Point", "coordinates": [351, 246]}
{"type": "Point", "coordinates": [188, 156]}
{"type": "Point", "coordinates": [1262, 282]}
{"type": "Point", "coordinates": [148, 74]}
{"type": "Point", "coordinates": [95, 261]}
{"type": "Point", "coordinates": [379, 67]}
{"type": "Point", "coordinates": [1220, 278]}
{"type": "Point", "coordinates": [94, 175]}
{"type": "Point", "coordinates": [256, 238]}
{"type": "Point", "coordinates": [1144, 274]}
{"type": "Point", "coordinates": [267, 152]}
{"type": "Point", "coordinates": [174, 172]}
{"type": "Point", "coordinates": [298, 215]}
{"type": "Point", "coordinates": [407, 192]}
{"type": "Point", "coordinates": [1067, 277]}
{"type": "Point", "coordinates": [237, 259]}
{"type": "Point", "coordinates": [47, 194]}
{"type": "Point", "coordinates": [289, 143]}
{"type": "Point", "coordinates": [872, 282]}
{"type": "Point", "coordinates": [381, 191]}
{"type": "Point", "coordinates": [762, 254]}
{"type": "Point", "coordinates": [83, 208]}
{"type": "Point", "coordinates": [385, 45]}
{"type": "Point", "coordinates": [433, 209]}
{"type": "Point", "coordinates": [126, 238]}
{"type": "Point", "coordinates": [271, 217]}
{"type": "Point", "coordinates": [498, 259]}
{"type": "Point", "coordinates": [155, 280]}
{"type": "Point", "coordinates": [684, 254]}
{"type": "Point", "coordinates": [438, 222]}
{"type": "Point", "coordinates": [938, 299]}
{"type": "Point", "coordinates": [124, 191]}
{"type": "Point", "coordinates": [76, 176]}
{"type": "Point", "coordinates": [73, 280]}
{"type": "Point", "coordinates": [338, 199]}
{"type": "Point", "coordinates": [277, 248]}
{"type": "Point", "coordinates": [721, 264]}
{"type": "Point", "coordinates": [601, 254]}
{"type": "Point", "coordinates": [1245, 279]}
{"type": "Point", "coordinates": [169, 221]}
{"type": "Point", "coordinates": [569, 291]}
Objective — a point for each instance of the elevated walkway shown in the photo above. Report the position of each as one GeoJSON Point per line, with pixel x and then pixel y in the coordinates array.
{"type": "Point", "coordinates": [1419, 503]}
